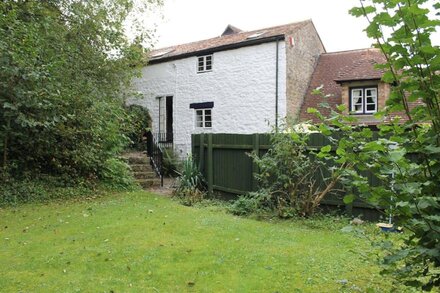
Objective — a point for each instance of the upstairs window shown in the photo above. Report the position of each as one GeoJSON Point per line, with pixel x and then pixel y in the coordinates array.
{"type": "Point", "coordinates": [363, 100]}
{"type": "Point", "coordinates": [204, 63]}
{"type": "Point", "coordinates": [204, 118]}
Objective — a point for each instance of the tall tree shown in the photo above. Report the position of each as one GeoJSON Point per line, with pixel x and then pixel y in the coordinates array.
{"type": "Point", "coordinates": [65, 68]}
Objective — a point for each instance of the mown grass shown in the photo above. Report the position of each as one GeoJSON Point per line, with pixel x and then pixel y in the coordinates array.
{"type": "Point", "coordinates": [140, 242]}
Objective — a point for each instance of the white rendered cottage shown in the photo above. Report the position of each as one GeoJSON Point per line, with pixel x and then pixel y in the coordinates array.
{"type": "Point", "coordinates": [240, 82]}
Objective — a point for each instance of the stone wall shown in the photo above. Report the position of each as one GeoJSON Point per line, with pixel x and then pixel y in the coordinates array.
{"type": "Point", "coordinates": [241, 85]}
{"type": "Point", "coordinates": [302, 56]}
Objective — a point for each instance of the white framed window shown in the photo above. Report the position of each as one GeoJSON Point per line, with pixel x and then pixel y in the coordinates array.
{"type": "Point", "coordinates": [363, 100]}
{"type": "Point", "coordinates": [204, 63]}
{"type": "Point", "coordinates": [203, 118]}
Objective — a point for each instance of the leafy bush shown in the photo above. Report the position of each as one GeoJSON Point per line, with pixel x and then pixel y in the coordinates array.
{"type": "Point", "coordinates": [117, 175]}
{"type": "Point", "coordinates": [62, 96]}
{"type": "Point", "coordinates": [190, 184]}
{"type": "Point", "coordinates": [139, 122]}
{"type": "Point", "coordinates": [288, 179]}
{"type": "Point", "coordinates": [253, 202]}
{"type": "Point", "coordinates": [17, 191]}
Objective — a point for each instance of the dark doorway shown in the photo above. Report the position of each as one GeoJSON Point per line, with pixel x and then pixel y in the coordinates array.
{"type": "Point", "coordinates": [169, 118]}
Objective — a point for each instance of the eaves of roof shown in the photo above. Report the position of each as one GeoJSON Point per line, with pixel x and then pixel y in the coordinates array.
{"type": "Point", "coordinates": [226, 47]}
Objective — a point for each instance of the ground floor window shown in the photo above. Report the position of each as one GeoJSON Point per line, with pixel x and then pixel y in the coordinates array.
{"type": "Point", "coordinates": [204, 118]}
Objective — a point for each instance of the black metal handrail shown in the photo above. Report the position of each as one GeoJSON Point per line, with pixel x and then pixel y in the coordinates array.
{"type": "Point", "coordinates": [155, 152]}
{"type": "Point", "coordinates": [164, 139]}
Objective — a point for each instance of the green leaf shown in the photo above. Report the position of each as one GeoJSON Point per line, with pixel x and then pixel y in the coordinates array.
{"type": "Point", "coordinates": [341, 108]}
{"type": "Point", "coordinates": [349, 198]}
{"type": "Point", "coordinates": [325, 129]}
{"type": "Point", "coordinates": [396, 155]}
{"type": "Point", "coordinates": [388, 77]}
{"type": "Point", "coordinates": [431, 149]}
{"type": "Point", "coordinates": [326, 149]}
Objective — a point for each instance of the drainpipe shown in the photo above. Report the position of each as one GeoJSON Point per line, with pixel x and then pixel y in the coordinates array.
{"type": "Point", "coordinates": [158, 120]}
{"type": "Point", "coordinates": [276, 85]}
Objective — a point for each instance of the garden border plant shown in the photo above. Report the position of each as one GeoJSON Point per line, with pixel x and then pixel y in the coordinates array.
{"type": "Point", "coordinates": [292, 182]}
{"type": "Point", "coordinates": [190, 187]}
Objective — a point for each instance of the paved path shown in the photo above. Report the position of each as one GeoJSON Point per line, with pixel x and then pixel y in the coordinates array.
{"type": "Point", "coordinates": [167, 189]}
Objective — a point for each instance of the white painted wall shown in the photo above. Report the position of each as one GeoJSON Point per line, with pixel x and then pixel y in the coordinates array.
{"type": "Point", "coordinates": [241, 85]}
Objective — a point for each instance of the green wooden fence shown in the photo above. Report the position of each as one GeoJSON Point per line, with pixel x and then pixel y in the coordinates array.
{"type": "Point", "coordinates": [224, 161]}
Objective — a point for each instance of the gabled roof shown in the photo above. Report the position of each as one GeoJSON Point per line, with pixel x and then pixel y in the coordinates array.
{"type": "Point", "coordinates": [228, 41]}
{"type": "Point", "coordinates": [335, 68]}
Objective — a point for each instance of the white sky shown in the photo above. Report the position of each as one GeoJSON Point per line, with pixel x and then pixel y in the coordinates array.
{"type": "Point", "coordinates": [186, 21]}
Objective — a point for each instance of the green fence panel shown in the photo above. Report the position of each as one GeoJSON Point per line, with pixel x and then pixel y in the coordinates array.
{"type": "Point", "coordinates": [226, 165]}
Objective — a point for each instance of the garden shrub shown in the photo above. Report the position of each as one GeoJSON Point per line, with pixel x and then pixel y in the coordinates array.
{"type": "Point", "coordinates": [190, 183]}
{"type": "Point", "coordinates": [43, 188]}
{"type": "Point", "coordinates": [139, 122]}
{"type": "Point", "coordinates": [251, 203]}
{"type": "Point", "coordinates": [116, 174]}
{"type": "Point", "coordinates": [62, 96]}
{"type": "Point", "coordinates": [289, 179]}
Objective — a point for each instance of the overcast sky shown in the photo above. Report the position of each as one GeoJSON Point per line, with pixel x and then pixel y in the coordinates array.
{"type": "Point", "coordinates": [193, 20]}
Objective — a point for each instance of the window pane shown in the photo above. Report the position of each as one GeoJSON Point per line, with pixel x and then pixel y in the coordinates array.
{"type": "Point", "coordinates": [208, 124]}
{"type": "Point", "coordinates": [370, 92]}
{"type": "Point", "coordinates": [199, 124]}
{"type": "Point", "coordinates": [371, 107]}
{"type": "Point", "coordinates": [356, 93]}
{"type": "Point", "coordinates": [208, 58]}
{"type": "Point", "coordinates": [207, 112]}
{"type": "Point", "coordinates": [371, 100]}
{"type": "Point", "coordinates": [207, 118]}
{"type": "Point", "coordinates": [358, 108]}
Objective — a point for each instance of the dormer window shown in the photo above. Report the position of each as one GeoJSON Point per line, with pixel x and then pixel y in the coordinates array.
{"type": "Point", "coordinates": [363, 100]}
{"type": "Point", "coordinates": [204, 63]}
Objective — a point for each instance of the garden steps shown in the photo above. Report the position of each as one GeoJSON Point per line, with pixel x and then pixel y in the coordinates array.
{"type": "Point", "coordinates": [142, 171]}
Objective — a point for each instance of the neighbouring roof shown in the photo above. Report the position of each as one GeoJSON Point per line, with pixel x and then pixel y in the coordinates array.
{"type": "Point", "coordinates": [335, 68]}
{"type": "Point", "coordinates": [234, 38]}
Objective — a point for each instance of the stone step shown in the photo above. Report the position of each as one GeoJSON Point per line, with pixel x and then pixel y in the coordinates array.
{"type": "Point", "coordinates": [138, 160]}
{"type": "Point", "coordinates": [147, 183]}
{"type": "Point", "coordinates": [141, 168]}
{"type": "Point", "coordinates": [144, 175]}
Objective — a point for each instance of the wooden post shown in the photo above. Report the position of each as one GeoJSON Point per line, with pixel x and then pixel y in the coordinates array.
{"type": "Point", "coordinates": [210, 166]}
{"type": "Point", "coordinates": [255, 169]}
{"type": "Point", "coordinates": [201, 152]}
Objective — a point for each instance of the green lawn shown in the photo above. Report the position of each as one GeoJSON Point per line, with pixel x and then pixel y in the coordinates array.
{"type": "Point", "coordinates": [140, 242]}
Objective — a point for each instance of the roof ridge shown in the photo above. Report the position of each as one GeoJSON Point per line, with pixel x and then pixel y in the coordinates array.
{"type": "Point", "coordinates": [352, 51]}
{"type": "Point", "coordinates": [304, 22]}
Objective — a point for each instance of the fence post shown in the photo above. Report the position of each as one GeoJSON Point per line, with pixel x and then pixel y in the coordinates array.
{"type": "Point", "coordinates": [201, 152]}
{"type": "Point", "coordinates": [255, 169]}
{"type": "Point", "coordinates": [210, 166]}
